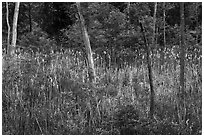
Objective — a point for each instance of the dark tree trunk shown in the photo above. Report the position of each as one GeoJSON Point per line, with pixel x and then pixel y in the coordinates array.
{"type": "Point", "coordinates": [150, 73]}
{"type": "Point", "coordinates": [182, 53]}
{"type": "Point", "coordinates": [181, 95]}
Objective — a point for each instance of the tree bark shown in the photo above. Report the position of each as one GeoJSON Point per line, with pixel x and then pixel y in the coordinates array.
{"type": "Point", "coordinates": [154, 32]}
{"type": "Point", "coordinates": [150, 73]}
{"type": "Point", "coordinates": [9, 28]}
{"type": "Point", "coordinates": [87, 46]}
{"type": "Point", "coordinates": [182, 53]}
{"type": "Point", "coordinates": [154, 23]}
{"type": "Point", "coordinates": [164, 36]}
{"type": "Point", "coordinates": [91, 70]}
{"type": "Point", "coordinates": [14, 30]}
{"type": "Point", "coordinates": [181, 95]}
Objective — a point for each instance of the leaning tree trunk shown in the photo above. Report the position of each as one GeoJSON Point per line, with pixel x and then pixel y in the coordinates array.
{"type": "Point", "coordinates": [9, 28]}
{"type": "Point", "coordinates": [14, 31]}
{"type": "Point", "coordinates": [150, 73]}
{"type": "Point", "coordinates": [91, 69]}
{"type": "Point", "coordinates": [149, 63]}
{"type": "Point", "coordinates": [87, 46]}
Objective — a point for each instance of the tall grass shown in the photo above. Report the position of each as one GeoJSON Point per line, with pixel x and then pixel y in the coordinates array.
{"type": "Point", "coordinates": [52, 95]}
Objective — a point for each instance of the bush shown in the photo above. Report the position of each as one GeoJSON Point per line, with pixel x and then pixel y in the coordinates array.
{"type": "Point", "coordinates": [126, 119]}
{"type": "Point", "coordinates": [37, 41]}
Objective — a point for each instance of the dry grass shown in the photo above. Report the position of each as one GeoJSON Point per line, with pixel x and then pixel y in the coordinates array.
{"type": "Point", "coordinates": [52, 95]}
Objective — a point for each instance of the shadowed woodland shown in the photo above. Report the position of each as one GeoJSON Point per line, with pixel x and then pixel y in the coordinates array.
{"type": "Point", "coordinates": [101, 68]}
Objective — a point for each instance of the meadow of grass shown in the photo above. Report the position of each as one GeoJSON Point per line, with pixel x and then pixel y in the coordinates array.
{"type": "Point", "coordinates": [52, 95]}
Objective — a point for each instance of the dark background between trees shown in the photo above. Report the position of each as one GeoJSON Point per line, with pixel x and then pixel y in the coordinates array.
{"type": "Point", "coordinates": [50, 50]}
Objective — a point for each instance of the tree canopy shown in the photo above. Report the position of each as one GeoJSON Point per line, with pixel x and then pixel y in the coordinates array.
{"type": "Point", "coordinates": [112, 27]}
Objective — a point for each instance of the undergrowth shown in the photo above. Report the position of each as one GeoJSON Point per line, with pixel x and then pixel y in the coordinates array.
{"type": "Point", "coordinates": [52, 95]}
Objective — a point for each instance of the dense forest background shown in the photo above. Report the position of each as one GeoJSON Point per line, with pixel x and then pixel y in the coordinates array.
{"type": "Point", "coordinates": [46, 85]}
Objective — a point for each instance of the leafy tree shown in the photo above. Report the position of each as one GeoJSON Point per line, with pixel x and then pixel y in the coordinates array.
{"type": "Point", "coordinates": [54, 16]}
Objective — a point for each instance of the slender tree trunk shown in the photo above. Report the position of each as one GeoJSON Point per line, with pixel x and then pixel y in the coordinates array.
{"type": "Point", "coordinates": [87, 46]}
{"type": "Point", "coordinates": [150, 73]}
{"type": "Point", "coordinates": [149, 63]}
{"type": "Point", "coordinates": [154, 32]}
{"type": "Point", "coordinates": [9, 28]}
{"type": "Point", "coordinates": [30, 18]}
{"type": "Point", "coordinates": [164, 36]}
{"type": "Point", "coordinates": [182, 53]}
{"type": "Point", "coordinates": [14, 30]}
{"type": "Point", "coordinates": [181, 95]}
{"type": "Point", "coordinates": [154, 23]}
{"type": "Point", "coordinates": [91, 70]}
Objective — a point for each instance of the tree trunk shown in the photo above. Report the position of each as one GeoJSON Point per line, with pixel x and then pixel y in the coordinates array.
{"type": "Point", "coordinates": [87, 46]}
{"type": "Point", "coordinates": [154, 23]}
{"type": "Point", "coordinates": [150, 73]}
{"type": "Point", "coordinates": [9, 28]}
{"type": "Point", "coordinates": [181, 94]}
{"type": "Point", "coordinates": [91, 70]}
{"type": "Point", "coordinates": [14, 31]}
{"type": "Point", "coordinates": [182, 53]}
{"type": "Point", "coordinates": [164, 44]}
{"type": "Point", "coordinates": [154, 32]}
